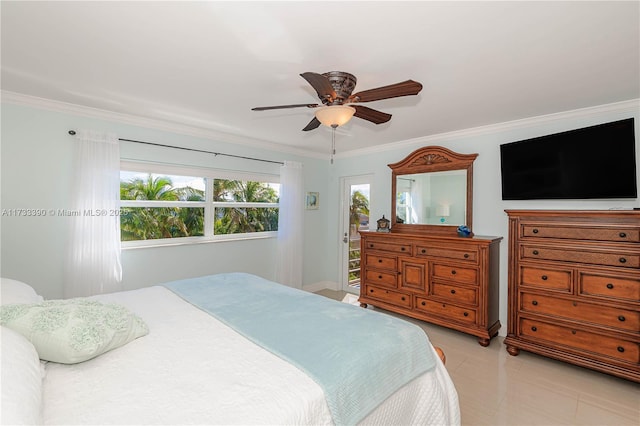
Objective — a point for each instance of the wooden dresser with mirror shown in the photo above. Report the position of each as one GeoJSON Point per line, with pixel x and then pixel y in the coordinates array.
{"type": "Point", "coordinates": [422, 268]}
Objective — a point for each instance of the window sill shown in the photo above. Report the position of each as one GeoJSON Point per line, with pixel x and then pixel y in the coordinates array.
{"type": "Point", "coordinates": [173, 242]}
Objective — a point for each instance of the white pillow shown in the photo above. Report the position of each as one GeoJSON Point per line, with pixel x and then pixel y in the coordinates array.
{"type": "Point", "coordinates": [73, 330]}
{"type": "Point", "coordinates": [12, 291]}
{"type": "Point", "coordinates": [21, 380]}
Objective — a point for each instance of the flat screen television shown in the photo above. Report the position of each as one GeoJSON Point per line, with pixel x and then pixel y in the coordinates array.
{"type": "Point", "coordinates": [596, 162]}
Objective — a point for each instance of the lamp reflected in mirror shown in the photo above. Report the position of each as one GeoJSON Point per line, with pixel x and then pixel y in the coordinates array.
{"type": "Point", "coordinates": [443, 211]}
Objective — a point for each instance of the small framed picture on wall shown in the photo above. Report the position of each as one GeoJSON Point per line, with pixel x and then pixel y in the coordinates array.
{"type": "Point", "coordinates": [313, 200]}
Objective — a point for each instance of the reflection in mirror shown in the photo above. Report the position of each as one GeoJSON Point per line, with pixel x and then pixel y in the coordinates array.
{"type": "Point", "coordinates": [436, 198]}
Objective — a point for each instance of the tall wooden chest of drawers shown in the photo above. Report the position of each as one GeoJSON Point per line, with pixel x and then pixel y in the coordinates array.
{"type": "Point", "coordinates": [574, 288]}
{"type": "Point", "coordinates": [445, 280]}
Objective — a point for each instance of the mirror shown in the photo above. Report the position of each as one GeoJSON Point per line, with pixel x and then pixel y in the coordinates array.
{"type": "Point", "coordinates": [436, 198]}
{"type": "Point", "coordinates": [432, 191]}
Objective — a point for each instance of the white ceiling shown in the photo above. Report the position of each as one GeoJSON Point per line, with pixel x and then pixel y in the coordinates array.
{"type": "Point", "coordinates": [206, 64]}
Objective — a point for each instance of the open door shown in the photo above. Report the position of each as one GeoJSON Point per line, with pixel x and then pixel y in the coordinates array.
{"type": "Point", "coordinates": [355, 207]}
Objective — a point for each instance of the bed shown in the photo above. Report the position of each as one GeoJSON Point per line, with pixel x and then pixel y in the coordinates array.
{"type": "Point", "coordinates": [224, 349]}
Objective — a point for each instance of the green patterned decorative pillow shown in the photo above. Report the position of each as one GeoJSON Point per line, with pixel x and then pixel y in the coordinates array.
{"type": "Point", "coordinates": [73, 330]}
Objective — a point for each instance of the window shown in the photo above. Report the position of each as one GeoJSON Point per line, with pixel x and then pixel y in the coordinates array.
{"type": "Point", "coordinates": [179, 205]}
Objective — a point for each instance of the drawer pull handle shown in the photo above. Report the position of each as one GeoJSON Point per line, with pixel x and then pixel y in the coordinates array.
{"type": "Point", "coordinates": [544, 278]}
{"type": "Point", "coordinates": [423, 251]}
{"type": "Point", "coordinates": [453, 292]}
{"type": "Point", "coordinates": [466, 314]}
{"type": "Point", "coordinates": [534, 328]}
{"type": "Point", "coordinates": [536, 252]}
{"type": "Point", "coordinates": [370, 245]}
{"type": "Point", "coordinates": [423, 303]}
{"type": "Point", "coordinates": [379, 277]}
{"type": "Point", "coordinates": [622, 260]}
{"type": "Point", "coordinates": [534, 303]}
{"type": "Point", "coordinates": [623, 235]}
{"type": "Point", "coordinates": [466, 255]}
{"type": "Point", "coordinates": [573, 332]}
{"type": "Point", "coordinates": [535, 230]}
{"type": "Point", "coordinates": [402, 249]}
{"type": "Point", "coordinates": [403, 298]}
{"type": "Point", "coordinates": [609, 286]}
{"type": "Point", "coordinates": [379, 260]}
{"type": "Point", "coordinates": [620, 349]}
{"type": "Point", "coordinates": [621, 318]}
{"type": "Point", "coordinates": [453, 272]}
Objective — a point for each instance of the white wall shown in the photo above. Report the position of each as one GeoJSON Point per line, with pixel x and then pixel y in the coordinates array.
{"type": "Point", "coordinates": [37, 159]}
{"type": "Point", "coordinates": [489, 217]}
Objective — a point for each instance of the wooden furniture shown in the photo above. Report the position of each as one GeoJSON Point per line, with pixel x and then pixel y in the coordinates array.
{"type": "Point", "coordinates": [445, 280]}
{"type": "Point", "coordinates": [446, 179]}
{"type": "Point", "coordinates": [574, 288]}
{"type": "Point", "coordinates": [422, 268]}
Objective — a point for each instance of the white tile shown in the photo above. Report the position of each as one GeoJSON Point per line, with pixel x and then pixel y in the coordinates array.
{"type": "Point", "coordinates": [606, 415]}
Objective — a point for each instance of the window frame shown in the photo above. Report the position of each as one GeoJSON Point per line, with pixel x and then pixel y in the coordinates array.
{"type": "Point", "coordinates": [209, 174]}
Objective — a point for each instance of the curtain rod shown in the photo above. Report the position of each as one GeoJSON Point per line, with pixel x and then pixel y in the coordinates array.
{"type": "Point", "coordinates": [73, 132]}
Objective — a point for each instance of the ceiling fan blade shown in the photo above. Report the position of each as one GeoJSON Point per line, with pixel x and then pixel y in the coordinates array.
{"type": "Point", "coordinates": [369, 114]}
{"type": "Point", "coordinates": [406, 88]}
{"type": "Point", "coordinates": [284, 106]}
{"type": "Point", "coordinates": [313, 124]}
{"type": "Point", "coordinates": [321, 84]}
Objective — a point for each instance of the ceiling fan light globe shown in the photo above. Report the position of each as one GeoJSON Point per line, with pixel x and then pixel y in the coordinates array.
{"type": "Point", "coordinates": [335, 115]}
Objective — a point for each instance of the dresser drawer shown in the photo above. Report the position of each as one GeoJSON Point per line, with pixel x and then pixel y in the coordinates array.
{"type": "Point", "coordinates": [582, 232]}
{"type": "Point", "coordinates": [621, 319]}
{"type": "Point", "coordinates": [455, 294]}
{"type": "Point", "coordinates": [389, 246]}
{"type": "Point", "coordinates": [386, 279]}
{"type": "Point", "coordinates": [550, 279]}
{"type": "Point", "coordinates": [446, 310]}
{"type": "Point", "coordinates": [455, 273]}
{"type": "Point", "coordinates": [613, 347]}
{"type": "Point", "coordinates": [612, 286]}
{"type": "Point", "coordinates": [608, 258]}
{"type": "Point", "coordinates": [383, 262]}
{"type": "Point", "coordinates": [447, 253]}
{"type": "Point", "coordinates": [390, 296]}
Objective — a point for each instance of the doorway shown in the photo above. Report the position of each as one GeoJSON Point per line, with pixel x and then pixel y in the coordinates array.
{"type": "Point", "coordinates": [355, 206]}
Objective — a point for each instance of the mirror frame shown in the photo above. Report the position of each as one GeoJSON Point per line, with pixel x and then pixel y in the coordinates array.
{"type": "Point", "coordinates": [432, 159]}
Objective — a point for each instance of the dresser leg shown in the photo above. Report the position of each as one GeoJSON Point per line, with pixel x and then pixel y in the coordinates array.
{"type": "Point", "coordinates": [513, 350]}
{"type": "Point", "coordinates": [363, 305]}
{"type": "Point", "coordinates": [483, 341]}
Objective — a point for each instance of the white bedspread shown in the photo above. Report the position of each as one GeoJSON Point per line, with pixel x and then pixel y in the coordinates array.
{"type": "Point", "coordinates": [192, 369]}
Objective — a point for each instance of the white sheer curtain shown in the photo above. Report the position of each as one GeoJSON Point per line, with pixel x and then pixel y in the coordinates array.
{"type": "Point", "coordinates": [93, 263]}
{"type": "Point", "coordinates": [290, 225]}
{"type": "Point", "coordinates": [418, 213]}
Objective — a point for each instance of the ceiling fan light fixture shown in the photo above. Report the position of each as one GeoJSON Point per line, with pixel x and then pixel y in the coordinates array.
{"type": "Point", "coordinates": [335, 115]}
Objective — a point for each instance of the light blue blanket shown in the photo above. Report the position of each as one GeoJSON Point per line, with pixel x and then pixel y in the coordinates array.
{"type": "Point", "coordinates": [358, 357]}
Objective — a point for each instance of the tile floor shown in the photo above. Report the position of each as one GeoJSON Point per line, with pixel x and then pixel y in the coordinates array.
{"type": "Point", "coordinates": [496, 388]}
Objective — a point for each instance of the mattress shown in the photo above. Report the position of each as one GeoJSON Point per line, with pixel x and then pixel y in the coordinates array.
{"type": "Point", "coordinates": [193, 369]}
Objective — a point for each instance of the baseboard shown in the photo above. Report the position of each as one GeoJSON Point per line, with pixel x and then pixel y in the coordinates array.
{"type": "Point", "coordinates": [321, 285]}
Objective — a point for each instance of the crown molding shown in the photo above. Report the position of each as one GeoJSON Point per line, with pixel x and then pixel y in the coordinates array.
{"type": "Point", "coordinates": [630, 106]}
{"type": "Point", "coordinates": [150, 123]}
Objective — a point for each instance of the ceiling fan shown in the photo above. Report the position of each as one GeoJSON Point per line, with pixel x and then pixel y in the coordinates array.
{"type": "Point", "coordinates": [335, 89]}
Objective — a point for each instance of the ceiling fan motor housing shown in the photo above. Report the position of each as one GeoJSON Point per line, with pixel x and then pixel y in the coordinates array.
{"type": "Point", "coordinates": [343, 84]}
